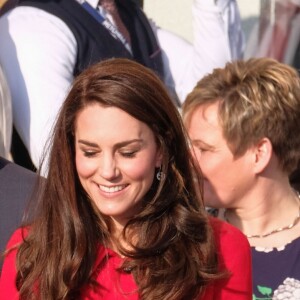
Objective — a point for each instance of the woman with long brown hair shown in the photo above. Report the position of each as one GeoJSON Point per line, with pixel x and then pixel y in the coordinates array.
{"type": "Point", "coordinates": [120, 215]}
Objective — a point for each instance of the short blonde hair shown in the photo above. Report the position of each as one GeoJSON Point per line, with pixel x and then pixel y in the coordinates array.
{"type": "Point", "coordinates": [258, 98]}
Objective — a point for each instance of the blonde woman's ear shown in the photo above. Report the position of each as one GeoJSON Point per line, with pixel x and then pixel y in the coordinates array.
{"type": "Point", "coordinates": [263, 152]}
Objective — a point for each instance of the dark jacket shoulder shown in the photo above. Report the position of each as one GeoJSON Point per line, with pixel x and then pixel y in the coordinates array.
{"type": "Point", "coordinates": [16, 187]}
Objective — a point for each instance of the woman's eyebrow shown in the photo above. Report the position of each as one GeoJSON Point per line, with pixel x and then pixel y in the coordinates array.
{"type": "Point", "coordinates": [88, 143]}
{"type": "Point", "coordinates": [117, 145]}
{"type": "Point", "coordinates": [125, 143]}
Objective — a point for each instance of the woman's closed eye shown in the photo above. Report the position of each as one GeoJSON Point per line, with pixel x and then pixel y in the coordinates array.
{"type": "Point", "coordinates": [89, 153]}
{"type": "Point", "coordinates": [129, 153]}
{"type": "Point", "coordinates": [201, 147]}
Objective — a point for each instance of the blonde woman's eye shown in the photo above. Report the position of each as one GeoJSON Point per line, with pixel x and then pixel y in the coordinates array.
{"type": "Point", "coordinates": [199, 150]}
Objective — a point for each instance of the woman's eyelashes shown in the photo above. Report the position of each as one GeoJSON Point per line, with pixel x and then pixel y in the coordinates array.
{"type": "Point", "coordinates": [201, 147]}
{"type": "Point", "coordinates": [89, 153]}
{"type": "Point", "coordinates": [129, 154]}
{"type": "Point", "coordinates": [123, 153]}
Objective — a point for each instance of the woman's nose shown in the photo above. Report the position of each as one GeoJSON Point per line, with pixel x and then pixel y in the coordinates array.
{"type": "Point", "coordinates": [108, 168]}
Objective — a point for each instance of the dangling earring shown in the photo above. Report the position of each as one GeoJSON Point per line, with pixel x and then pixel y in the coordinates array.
{"type": "Point", "coordinates": [160, 175]}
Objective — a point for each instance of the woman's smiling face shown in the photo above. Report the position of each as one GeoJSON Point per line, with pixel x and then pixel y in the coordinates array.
{"type": "Point", "coordinates": [116, 157]}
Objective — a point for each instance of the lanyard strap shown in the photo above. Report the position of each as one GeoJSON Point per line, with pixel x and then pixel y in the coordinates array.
{"type": "Point", "coordinates": [107, 24]}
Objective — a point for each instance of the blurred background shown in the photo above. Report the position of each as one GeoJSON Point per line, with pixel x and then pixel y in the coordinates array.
{"type": "Point", "coordinates": [176, 15]}
{"type": "Point", "coordinates": [271, 27]}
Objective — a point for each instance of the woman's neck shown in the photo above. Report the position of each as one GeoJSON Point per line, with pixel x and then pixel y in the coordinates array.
{"type": "Point", "coordinates": [265, 214]}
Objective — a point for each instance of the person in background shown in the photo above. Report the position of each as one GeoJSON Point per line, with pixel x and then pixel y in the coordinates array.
{"type": "Point", "coordinates": [16, 187]}
{"type": "Point", "coordinates": [16, 183]}
{"type": "Point", "coordinates": [44, 44]}
{"type": "Point", "coordinates": [243, 121]}
{"type": "Point", "coordinates": [124, 217]}
{"type": "Point", "coordinates": [5, 117]}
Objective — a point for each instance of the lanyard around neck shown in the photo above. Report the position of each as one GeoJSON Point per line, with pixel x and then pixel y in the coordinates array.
{"type": "Point", "coordinates": [115, 33]}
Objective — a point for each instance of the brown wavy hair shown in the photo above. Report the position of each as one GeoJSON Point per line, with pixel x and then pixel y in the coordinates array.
{"type": "Point", "coordinates": [259, 97]}
{"type": "Point", "coordinates": [174, 257]}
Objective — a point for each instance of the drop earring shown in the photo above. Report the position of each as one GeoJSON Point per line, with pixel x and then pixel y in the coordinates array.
{"type": "Point", "coordinates": [160, 175]}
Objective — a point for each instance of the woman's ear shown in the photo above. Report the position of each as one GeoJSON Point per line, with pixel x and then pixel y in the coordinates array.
{"type": "Point", "coordinates": [263, 151]}
{"type": "Point", "coordinates": [159, 158]}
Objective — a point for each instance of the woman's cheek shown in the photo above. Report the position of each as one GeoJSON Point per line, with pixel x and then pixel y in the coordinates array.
{"type": "Point", "coordinates": [85, 166]}
{"type": "Point", "coordinates": [138, 169]}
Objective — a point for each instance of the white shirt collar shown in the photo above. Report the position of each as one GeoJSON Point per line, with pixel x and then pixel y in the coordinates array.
{"type": "Point", "coordinates": [103, 12]}
{"type": "Point", "coordinates": [93, 3]}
